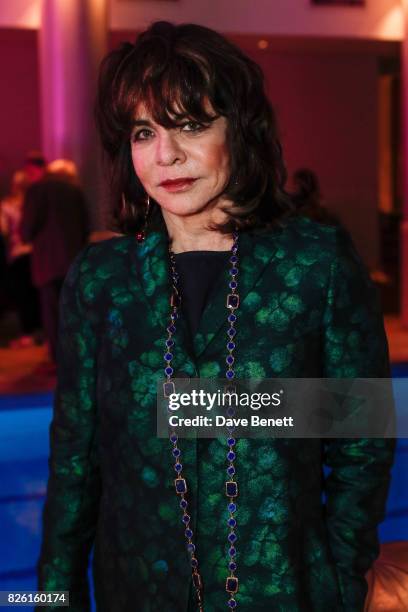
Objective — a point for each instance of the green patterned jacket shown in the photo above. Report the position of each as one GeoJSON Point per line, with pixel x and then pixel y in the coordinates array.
{"type": "Point", "coordinates": [308, 309]}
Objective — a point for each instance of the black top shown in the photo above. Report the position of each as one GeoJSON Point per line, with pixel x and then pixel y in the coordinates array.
{"type": "Point", "coordinates": [198, 271]}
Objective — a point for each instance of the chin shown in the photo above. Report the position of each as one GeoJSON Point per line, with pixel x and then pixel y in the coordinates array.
{"type": "Point", "coordinates": [182, 209]}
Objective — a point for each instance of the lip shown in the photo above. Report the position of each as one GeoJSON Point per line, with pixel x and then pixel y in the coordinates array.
{"type": "Point", "coordinates": [178, 184]}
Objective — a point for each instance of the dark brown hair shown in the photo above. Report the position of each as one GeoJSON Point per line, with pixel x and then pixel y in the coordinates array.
{"type": "Point", "coordinates": [174, 70]}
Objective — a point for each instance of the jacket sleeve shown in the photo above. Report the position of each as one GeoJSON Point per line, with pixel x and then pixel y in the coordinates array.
{"type": "Point", "coordinates": [355, 346]}
{"type": "Point", "coordinates": [74, 487]}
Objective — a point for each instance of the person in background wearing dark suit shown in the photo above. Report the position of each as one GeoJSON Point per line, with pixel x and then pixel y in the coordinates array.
{"type": "Point", "coordinates": [55, 220]}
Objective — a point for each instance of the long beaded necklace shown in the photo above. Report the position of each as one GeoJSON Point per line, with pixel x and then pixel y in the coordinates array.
{"type": "Point", "coordinates": [231, 486]}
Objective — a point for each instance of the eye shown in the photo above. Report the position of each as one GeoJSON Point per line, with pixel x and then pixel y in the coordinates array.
{"type": "Point", "coordinates": [143, 134]}
{"type": "Point", "coordinates": [192, 126]}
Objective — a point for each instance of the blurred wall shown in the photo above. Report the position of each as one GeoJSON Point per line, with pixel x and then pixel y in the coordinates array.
{"type": "Point", "coordinates": [327, 107]}
{"type": "Point", "coordinates": [20, 13]}
{"type": "Point", "coordinates": [20, 126]}
{"type": "Point", "coordinates": [381, 19]}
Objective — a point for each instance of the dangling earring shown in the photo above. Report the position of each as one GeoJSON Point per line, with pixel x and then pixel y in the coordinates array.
{"type": "Point", "coordinates": [140, 236]}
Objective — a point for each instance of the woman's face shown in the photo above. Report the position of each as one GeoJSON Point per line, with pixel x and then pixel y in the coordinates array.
{"type": "Point", "coordinates": [184, 168]}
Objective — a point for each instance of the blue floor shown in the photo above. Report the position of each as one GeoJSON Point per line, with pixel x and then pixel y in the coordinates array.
{"type": "Point", "coordinates": [24, 423]}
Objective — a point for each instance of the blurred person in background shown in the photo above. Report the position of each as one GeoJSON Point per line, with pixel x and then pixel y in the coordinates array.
{"type": "Point", "coordinates": [308, 197]}
{"type": "Point", "coordinates": [35, 167]}
{"type": "Point", "coordinates": [23, 294]}
{"type": "Point", "coordinates": [309, 200]}
{"type": "Point", "coordinates": [64, 170]}
{"type": "Point", "coordinates": [56, 221]}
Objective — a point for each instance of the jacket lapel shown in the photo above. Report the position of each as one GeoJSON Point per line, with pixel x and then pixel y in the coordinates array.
{"type": "Point", "coordinates": [255, 251]}
{"type": "Point", "coordinates": [153, 271]}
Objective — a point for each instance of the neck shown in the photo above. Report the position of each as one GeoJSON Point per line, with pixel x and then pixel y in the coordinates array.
{"type": "Point", "coordinates": [190, 233]}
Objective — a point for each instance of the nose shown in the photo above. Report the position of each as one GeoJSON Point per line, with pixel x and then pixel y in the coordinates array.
{"type": "Point", "coordinates": [169, 149]}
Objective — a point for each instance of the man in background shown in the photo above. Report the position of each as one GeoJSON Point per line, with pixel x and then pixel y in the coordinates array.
{"type": "Point", "coordinates": [55, 220]}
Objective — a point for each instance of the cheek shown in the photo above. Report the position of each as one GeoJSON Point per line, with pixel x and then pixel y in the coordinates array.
{"type": "Point", "coordinates": [140, 166]}
{"type": "Point", "coordinates": [216, 159]}
{"type": "Point", "coordinates": [220, 160]}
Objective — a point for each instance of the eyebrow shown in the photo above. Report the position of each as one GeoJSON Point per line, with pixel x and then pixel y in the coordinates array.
{"type": "Point", "coordinates": [137, 122]}
{"type": "Point", "coordinates": [146, 122]}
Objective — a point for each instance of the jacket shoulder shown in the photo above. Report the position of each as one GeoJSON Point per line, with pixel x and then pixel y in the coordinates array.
{"type": "Point", "coordinates": [334, 241]}
{"type": "Point", "coordinates": [296, 235]}
{"type": "Point", "coordinates": [100, 265]}
{"type": "Point", "coordinates": [301, 246]}
{"type": "Point", "coordinates": [306, 231]}
{"type": "Point", "coordinates": [102, 251]}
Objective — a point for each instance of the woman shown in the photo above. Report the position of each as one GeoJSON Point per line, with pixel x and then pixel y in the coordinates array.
{"type": "Point", "coordinates": [197, 166]}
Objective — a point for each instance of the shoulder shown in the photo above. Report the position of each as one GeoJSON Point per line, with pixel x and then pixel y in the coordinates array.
{"type": "Point", "coordinates": [37, 193]}
{"type": "Point", "coordinates": [104, 252]}
{"type": "Point", "coordinates": [105, 256]}
{"type": "Point", "coordinates": [304, 240]}
{"type": "Point", "coordinates": [327, 253]}
{"type": "Point", "coordinates": [59, 187]}
{"type": "Point", "coordinates": [33, 190]}
{"type": "Point", "coordinates": [301, 232]}
{"type": "Point", "coordinates": [330, 246]}
{"type": "Point", "coordinates": [310, 256]}
{"type": "Point", "coordinates": [99, 264]}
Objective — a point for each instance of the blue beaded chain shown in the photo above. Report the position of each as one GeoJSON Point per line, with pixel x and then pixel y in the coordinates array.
{"type": "Point", "coordinates": [231, 486]}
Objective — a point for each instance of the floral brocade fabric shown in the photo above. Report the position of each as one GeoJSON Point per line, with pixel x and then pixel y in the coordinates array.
{"type": "Point", "coordinates": [308, 309]}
